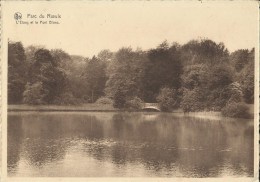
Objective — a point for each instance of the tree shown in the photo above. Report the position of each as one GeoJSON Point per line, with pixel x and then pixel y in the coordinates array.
{"type": "Point", "coordinates": [214, 84]}
{"type": "Point", "coordinates": [163, 69]}
{"type": "Point", "coordinates": [35, 93]}
{"type": "Point", "coordinates": [236, 110]}
{"type": "Point", "coordinates": [134, 104]}
{"type": "Point", "coordinates": [200, 75]}
{"type": "Point", "coordinates": [61, 59]}
{"type": "Point", "coordinates": [16, 72]}
{"type": "Point", "coordinates": [168, 99]}
{"type": "Point", "coordinates": [105, 55]}
{"type": "Point", "coordinates": [95, 78]}
{"type": "Point", "coordinates": [76, 80]}
{"type": "Point", "coordinates": [220, 97]}
{"type": "Point", "coordinates": [44, 70]}
{"type": "Point", "coordinates": [193, 100]}
{"type": "Point", "coordinates": [239, 59]}
{"type": "Point", "coordinates": [233, 93]}
{"type": "Point", "coordinates": [119, 99]}
{"type": "Point", "coordinates": [219, 76]}
{"type": "Point", "coordinates": [204, 51]}
{"type": "Point", "coordinates": [30, 52]}
{"type": "Point", "coordinates": [125, 72]}
{"type": "Point", "coordinates": [246, 79]}
{"type": "Point", "coordinates": [66, 98]}
{"type": "Point", "coordinates": [194, 76]}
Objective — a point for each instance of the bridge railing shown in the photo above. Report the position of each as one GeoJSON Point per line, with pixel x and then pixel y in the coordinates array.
{"type": "Point", "coordinates": [151, 105]}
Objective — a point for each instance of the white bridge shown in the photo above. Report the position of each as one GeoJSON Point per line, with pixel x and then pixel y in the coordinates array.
{"type": "Point", "coordinates": [151, 107]}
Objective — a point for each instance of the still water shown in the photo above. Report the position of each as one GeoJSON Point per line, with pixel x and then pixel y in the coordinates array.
{"type": "Point", "coordinates": [96, 144]}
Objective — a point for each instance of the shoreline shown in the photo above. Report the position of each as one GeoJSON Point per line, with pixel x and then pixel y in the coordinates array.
{"type": "Point", "coordinates": [102, 108]}
{"type": "Point", "coordinates": [58, 108]}
{"type": "Point", "coordinates": [93, 108]}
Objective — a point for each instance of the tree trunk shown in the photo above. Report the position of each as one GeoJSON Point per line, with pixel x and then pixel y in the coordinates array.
{"type": "Point", "coordinates": [92, 96]}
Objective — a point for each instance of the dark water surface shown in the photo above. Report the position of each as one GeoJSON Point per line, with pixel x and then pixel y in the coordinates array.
{"type": "Point", "coordinates": [111, 144]}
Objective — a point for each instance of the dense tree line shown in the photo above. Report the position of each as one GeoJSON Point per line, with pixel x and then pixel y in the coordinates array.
{"type": "Point", "coordinates": [197, 76]}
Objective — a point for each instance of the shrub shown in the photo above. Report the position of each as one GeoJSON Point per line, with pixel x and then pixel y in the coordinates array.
{"type": "Point", "coordinates": [104, 100]}
{"type": "Point", "coordinates": [219, 76]}
{"type": "Point", "coordinates": [66, 98]}
{"type": "Point", "coordinates": [34, 94]}
{"type": "Point", "coordinates": [119, 99]}
{"type": "Point", "coordinates": [168, 99]}
{"type": "Point", "coordinates": [193, 100]}
{"type": "Point", "coordinates": [236, 110]}
{"type": "Point", "coordinates": [134, 104]}
{"type": "Point", "coordinates": [218, 98]}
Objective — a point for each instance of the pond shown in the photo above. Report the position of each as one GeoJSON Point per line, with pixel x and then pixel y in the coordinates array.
{"type": "Point", "coordinates": [128, 144]}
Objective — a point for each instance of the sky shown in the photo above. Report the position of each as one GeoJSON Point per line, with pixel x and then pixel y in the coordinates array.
{"type": "Point", "coordinates": [86, 28]}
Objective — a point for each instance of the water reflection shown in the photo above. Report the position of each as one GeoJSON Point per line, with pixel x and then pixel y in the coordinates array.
{"type": "Point", "coordinates": [128, 144]}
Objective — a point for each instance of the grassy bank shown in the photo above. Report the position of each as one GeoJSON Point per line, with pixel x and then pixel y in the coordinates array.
{"type": "Point", "coordinates": [107, 108]}
{"type": "Point", "coordinates": [83, 107]}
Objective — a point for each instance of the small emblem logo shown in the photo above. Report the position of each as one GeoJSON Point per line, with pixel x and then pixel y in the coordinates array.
{"type": "Point", "coordinates": [17, 16]}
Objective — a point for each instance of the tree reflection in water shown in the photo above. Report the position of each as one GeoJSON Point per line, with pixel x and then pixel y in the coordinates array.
{"type": "Point", "coordinates": [159, 144]}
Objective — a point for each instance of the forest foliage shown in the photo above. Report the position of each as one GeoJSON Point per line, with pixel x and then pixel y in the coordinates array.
{"type": "Point", "coordinates": [201, 75]}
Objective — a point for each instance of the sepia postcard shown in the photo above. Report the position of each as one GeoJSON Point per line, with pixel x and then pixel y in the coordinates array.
{"type": "Point", "coordinates": [129, 91]}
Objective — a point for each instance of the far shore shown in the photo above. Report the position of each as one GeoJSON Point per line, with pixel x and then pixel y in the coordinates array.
{"type": "Point", "coordinates": [82, 107]}
{"type": "Point", "coordinates": [93, 107]}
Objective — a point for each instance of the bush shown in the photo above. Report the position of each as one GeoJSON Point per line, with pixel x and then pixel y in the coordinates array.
{"type": "Point", "coordinates": [104, 100]}
{"type": "Point", "coordinates": [134, 104]}
{"type": "Point", "coordinates": [168, 99]}
{"type": "Point", "coordinates": [66, 98]}
{"type": "Point", "coordinates": [236, 110]}
{"type": "Point", "coordinates": [119, 99]}
{"type": "Point", "coordinates": [216, 99]}
{"type": "Point", "coordinates": [193, 100]}
{"type": "Point", "coordinates": [34, 94]}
